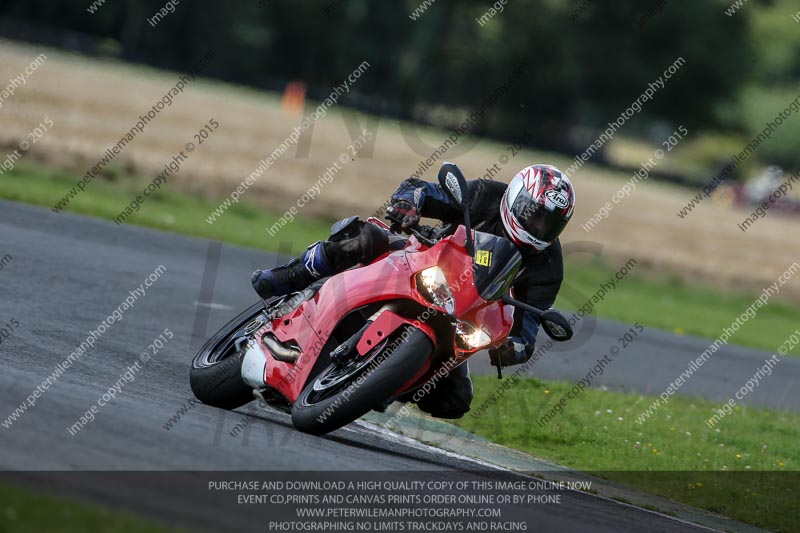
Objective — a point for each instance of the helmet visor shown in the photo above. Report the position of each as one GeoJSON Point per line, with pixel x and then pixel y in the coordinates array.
{"type": "Point", "coordinates": [541, 223]}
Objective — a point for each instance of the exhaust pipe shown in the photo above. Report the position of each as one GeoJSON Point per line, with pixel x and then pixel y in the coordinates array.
{"type": "Point", "coordinates": [280, 351]}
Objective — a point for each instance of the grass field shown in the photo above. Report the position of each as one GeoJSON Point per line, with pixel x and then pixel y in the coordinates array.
{"type": "Point", "coordinates": [23, 511]}
{"type": "Point", "coordinates": [745, 468]}
{"type": "Point", "coordinates": [650, 298]}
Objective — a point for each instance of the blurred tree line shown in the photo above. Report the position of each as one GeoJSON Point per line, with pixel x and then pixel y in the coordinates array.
{"type": "Point", "coordinates": [586, 60]}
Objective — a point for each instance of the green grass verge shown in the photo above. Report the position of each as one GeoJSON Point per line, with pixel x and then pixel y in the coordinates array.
{"type": "Point", "coordinates": [23, 511]}
{"type": "Point", "coordinates": [745, 468]}
{"type": "Point", "coordinates": [667, 303]}
{"type": "Point", "coordinates": [656, 301]}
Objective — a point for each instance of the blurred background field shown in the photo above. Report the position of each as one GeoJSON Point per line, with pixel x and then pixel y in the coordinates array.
{"type": "Point", "coordinates": [92, 103]}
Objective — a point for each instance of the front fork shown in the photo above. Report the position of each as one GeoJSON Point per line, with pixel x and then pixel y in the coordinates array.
{"type": "Point", "coordinates": [352, 346]}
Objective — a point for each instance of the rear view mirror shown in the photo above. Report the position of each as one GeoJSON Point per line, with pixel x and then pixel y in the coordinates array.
{"type": "Point", "coordinates": [556, 325]}
{"type": "Point", "coordinates": [454, 183]}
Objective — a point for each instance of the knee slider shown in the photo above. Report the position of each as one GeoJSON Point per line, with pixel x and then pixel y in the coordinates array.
{"type": "Point", "coordinates": [259, 281]}
{"type": "Point", "coordinates": [346, 229]}
{"type": "Point", "coordinates": [369, 243]}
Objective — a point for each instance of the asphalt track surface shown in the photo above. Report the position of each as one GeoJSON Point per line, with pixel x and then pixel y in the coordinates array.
{"type": "Point", "coordinates": [656, 359]}
{"type": "Point", "coordinates": [69, 273]}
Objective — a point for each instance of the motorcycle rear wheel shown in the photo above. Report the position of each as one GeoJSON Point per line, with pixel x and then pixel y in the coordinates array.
{"type": "Point", "coordinates": [328, 402]}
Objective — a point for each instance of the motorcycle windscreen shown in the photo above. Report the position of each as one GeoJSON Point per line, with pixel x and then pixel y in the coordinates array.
{"type": "Point", "coordinates": [497, 262]}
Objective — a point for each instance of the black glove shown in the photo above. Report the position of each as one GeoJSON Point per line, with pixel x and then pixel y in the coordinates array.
{"type": "Point", "coordinates": [403, 215]}
{"type": "Point", "coordinates": [512, 352]}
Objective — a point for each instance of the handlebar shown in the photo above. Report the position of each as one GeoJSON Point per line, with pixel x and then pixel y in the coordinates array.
{"type": "Point", "coordinates": [420, 233]}
{"type": "Point", "coordinates": [427, 235]}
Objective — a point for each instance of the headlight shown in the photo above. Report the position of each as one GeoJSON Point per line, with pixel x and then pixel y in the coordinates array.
{"type": "Point", "coordinates": [433, 286]}
{"type": "Point", "coordinates": [470, 337]}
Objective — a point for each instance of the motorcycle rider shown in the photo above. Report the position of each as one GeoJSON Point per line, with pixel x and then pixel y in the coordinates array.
{"type": "Point", "coordinates": [531, 211]}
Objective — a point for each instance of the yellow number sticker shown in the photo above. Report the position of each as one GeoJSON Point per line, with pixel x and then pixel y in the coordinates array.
{"type": "Point", "coordinates": [483, 258]}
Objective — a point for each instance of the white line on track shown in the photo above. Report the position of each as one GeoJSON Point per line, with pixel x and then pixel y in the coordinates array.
{"type": "Point", "coordinates": [212, 305]}
{"type": "Point", "coordinates": [402, 439]}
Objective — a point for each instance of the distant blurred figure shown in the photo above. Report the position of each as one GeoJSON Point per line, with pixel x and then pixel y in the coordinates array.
{"type": "Point", "coordinates": [294, 98]}
{"type": "Point", "coordinates": [759, 188]}
{"type": "Point", "coordinates": [763, 189]}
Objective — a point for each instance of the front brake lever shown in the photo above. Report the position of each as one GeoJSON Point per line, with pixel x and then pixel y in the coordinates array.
{"type": "Point", "coordinates": [422, 238]}
{"type": "Point", "coordinates": [446, 230]}
{"type": "Point", "coordinates": [415, 231]}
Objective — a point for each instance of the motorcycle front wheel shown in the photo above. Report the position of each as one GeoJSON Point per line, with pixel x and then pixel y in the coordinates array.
{"type": "Point", "coordinates": [216, 374]}
{"type": "Point", "coordinates": [343, 393]}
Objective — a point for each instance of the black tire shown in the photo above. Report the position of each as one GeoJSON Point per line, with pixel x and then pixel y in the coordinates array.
{"type": "Point", "coordinates": [216, 374]}
{"type": "Point", "coordinates": [392, 365]}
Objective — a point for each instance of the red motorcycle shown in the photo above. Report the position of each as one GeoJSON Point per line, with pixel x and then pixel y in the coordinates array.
{"type": "Point", "coordinates": [364, 338]}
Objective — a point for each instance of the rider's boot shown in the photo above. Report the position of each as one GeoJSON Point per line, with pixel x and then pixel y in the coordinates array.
{"type": "Point", "coordinates": [295, 275]}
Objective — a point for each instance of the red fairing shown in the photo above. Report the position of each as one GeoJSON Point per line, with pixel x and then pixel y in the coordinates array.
{"type": "Point", "coordinates": [290, 378]}
{"type": "Point", "coordinates": [386, 279]}
{"type": "Point", "coordinates": [312, 324]}
{"type": "Point", "coordinates": [496, 319]}
{"type": "Point", "coordinates": [386, 324]}
{"type": "Point", "coordinates": [390, 278]}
